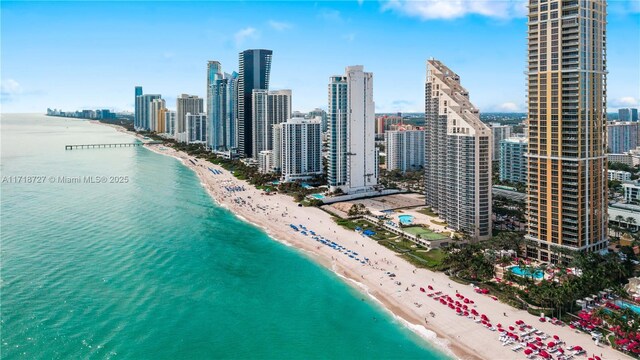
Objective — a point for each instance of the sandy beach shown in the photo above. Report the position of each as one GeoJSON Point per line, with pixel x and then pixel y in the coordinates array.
{"type": "Point", "coordinates": [464, 337]}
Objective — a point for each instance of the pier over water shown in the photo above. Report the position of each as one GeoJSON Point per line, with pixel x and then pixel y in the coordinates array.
{"type": "Point", "coordinates": [100, 146]}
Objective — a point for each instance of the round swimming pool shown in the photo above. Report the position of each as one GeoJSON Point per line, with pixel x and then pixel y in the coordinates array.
{"type": "Point", "coordinates": [405, 219]}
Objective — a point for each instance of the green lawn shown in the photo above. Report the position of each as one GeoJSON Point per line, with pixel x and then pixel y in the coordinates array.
{"type": "Point", "coordinates": [427, 212]}
{"type": "Point", "coordinates": [439, 222]}
{"type": "Point", "coordinates": [424, 233]}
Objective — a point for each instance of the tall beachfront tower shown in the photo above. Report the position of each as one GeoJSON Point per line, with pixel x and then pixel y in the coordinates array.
{"type": "Point", "coordinates": [567, 164]}
{"type": "Point", "coordinates": [353, 158]}
{"type": "Point", "coordinates": [143, 109]}
{"type": "Point", "coordinates": [254, 71]}
{"type": "Point", "coordinates": [221, 105]}
{"type": "Point", "coordinates": [458, 150]}
{"type": "Point", "coordinates": [213, 69]}
{"type": "Point", "coordinates": [269, 108]}
{"type": "Point", "coordinates": [136, 111]}
{"type": "Point", "coordinates": [192, 104]}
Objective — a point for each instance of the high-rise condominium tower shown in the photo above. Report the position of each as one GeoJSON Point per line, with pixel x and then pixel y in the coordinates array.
{"type": "Point", "coordinates": [136, 113]}
{"type": "Point", "coordinates": [566, 183]}
{"type": "Point", "coordinates": [221, 108]}
{"type": "Point", "coordinates": [156, 119]}
{"type": "Point", "coordinates": [297, 148]}
{"type": "Point", "coordinates": [353, 158]}
{"type": "Point", "coordinates": [214, 68]}
{"type": "Point", "coordinates": [458, 150]}
{"type": "Point", "coordinates": [254, 70]}
{"type": "Point", "coordinates": [143, 110]}
{"type": "Point", "coordinates": [269, 108]}
{"type": "Point", "coordinates": [186, 104]}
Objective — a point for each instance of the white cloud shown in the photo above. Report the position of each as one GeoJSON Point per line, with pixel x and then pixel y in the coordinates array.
{"type": "Point", "coordinates": [244, 34]}
{"type": "Point", "coordinates": [10, 87]}
{"type": "Point", "coordinates": [452, 9]}
{"type": "Point", "coordinates": [625, 101]}
{"type": "Point", "coordinates": [330, 15]}
{"type": "Point", "coordinates": [280, 26]}
{"type": "Point", "coordinates": [509, 107]}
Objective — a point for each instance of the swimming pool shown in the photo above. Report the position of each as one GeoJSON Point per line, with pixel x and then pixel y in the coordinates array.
{"type": "Point", "coordinates": [317, 196]}
{"type": "Point", "coordinates": [406, 219]}
{"type": "Point", "coordinates": [537, 274]}
{"type": "Point", "coordinates": [624, 304]}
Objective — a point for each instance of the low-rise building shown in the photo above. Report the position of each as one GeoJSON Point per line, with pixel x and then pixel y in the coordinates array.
{"type": "Point", "coordinates": [631, 192]}
{"type": "Point", "coordinates": [619, 175]}
{"type": "Point", "coordinates": [626, 158]}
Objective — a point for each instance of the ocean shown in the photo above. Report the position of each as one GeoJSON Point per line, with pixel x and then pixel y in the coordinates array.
{"type": "Point", "coordinates": [147, 266]}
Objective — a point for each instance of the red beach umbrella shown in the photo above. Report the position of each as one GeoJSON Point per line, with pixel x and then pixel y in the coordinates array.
{"type": "Point", "coordinates": [511, 328]}
{"type": "Point", "coordinates": [556, 337]}
{"type": "Point", "coordinates": [422, 289]}
{"type": "Point", "coordinates": [528, 351]}
{"type": "Point", "coordinates": [551, 344]}
{"type": "Point", "coordinates": [430, 287]}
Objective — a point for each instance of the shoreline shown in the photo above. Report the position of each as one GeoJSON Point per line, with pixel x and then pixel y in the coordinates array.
{"type": "Point", "coordinates": [454, 335]}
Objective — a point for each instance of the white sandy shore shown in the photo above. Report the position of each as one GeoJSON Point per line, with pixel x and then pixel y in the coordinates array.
{"type": "Point", "coordinates": [456, 334]}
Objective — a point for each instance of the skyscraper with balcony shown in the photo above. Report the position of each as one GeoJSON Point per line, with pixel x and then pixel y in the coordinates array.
{"type": "Point", "coordinates": [156, 119]}
{"type": "Point", "coordinates": [499, 133]}
{"type": "Point", "coordinates": [254, 71]}
{"type": "Point", "coordinates": [299, 148]}
{"type": "Point", "coordinates": [269, 108]}
{"type": "Point", "coordinates": [404, 150]}
{"type": "Point", "coordinates": [458, 150]}
{"type": "Point", "coordinates": [513, 163]}
{"type": "Point", "coordinates": [221, 111]}
{"type": "Point", "coordinates": [186, 104]}
{"type": "Point", "coordinates": [622, 136]}
{"type": "Point", "coordinates": [143, 110]}
{"type": "Point", "coordinates": [353, 157]}
{"type": "Point", "coordinates": [214, 69]}
{"type": "Point", "coordinates": [566, 183]}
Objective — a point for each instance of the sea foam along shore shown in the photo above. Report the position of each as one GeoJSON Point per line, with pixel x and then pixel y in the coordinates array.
{"type": "Point", "coordinates": [457, 335]}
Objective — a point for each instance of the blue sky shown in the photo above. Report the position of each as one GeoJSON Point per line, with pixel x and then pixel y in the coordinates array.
{"type": "Point", "coordinates": [74, 55]}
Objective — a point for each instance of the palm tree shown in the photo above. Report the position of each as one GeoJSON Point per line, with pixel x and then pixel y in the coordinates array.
{"type": "Point", "coordinates": [619, 219]}
{"type": "Point", "coordinates": [630, 221]}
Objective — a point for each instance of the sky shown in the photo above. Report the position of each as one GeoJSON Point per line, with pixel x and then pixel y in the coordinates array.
{"type": "Point", "coordinates": [88, 55]}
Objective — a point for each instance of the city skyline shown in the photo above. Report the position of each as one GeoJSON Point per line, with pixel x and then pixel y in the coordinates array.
{"type": "Point", "coordinates": [116, 61]}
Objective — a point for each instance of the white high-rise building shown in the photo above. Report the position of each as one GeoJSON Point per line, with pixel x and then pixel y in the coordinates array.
{"type": "Point", "coordinates": [299, 148]}
{"type": "Point", "coordinates": [513, 163]}
{"type": "Point", "coordinates": [405, 150]}
{"type": "Point", "coordinates": [458, 152]}
{"type": "Point", "coordinates": [353, 157]}
{"type": "Point", "coordinates": [196, 126]}
{"type": "Point", "coordinates": [268, 108]}
{"type": "Point", "coordinates": [265, 161]}
{"type": "Point", "coordinates": [499, 133]}
{"type": "Point", "coordinates": [186, 104]}
{"type": "Point", "coordinates": [170, 122]}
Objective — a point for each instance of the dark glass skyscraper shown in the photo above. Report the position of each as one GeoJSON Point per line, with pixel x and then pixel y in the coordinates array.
{"type": "Point", "coordinates": [254, 71]}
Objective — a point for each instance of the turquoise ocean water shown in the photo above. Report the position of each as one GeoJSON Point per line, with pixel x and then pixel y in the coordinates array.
{"type": "Point", "coordinates": [153, 269]}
